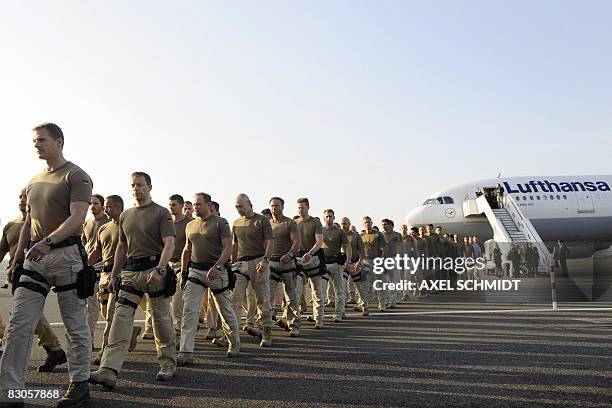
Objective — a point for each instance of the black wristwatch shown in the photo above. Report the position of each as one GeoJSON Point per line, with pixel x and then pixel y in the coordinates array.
{"type": "Point", "coordinates": [48, 241]}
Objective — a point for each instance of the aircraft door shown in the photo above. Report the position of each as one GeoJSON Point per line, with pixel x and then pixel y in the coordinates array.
{"type": "Point", "coordinates": [585, 202]}
{"type": "Point", "coordinates": [470, 192]}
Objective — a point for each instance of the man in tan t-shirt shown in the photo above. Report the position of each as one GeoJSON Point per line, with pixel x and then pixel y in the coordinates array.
{"type": "Point", "coordinates": [180, 221]}
{"type": "Point", "coordinates": [104, 248]}
{"type": "Point", "coordinates": [251, 250]}
{"type": "Point", "coordinates": [393, 248]}
{"type": "Point", "coordinates": [338, 255]}
{"type": "Point", "coordinates": [90, 232]}
{"type": "Point", "coordinates": [373, 247]}
{"type": "Point", "coordinates": [311, 239]}
{"type": "Point", "coordinates": [208, 248]}
{"type": "Point", "coordinates": [46, 337]}
{"type": "Point", "coordinates": [285, 244]}
{"type": "Point", "coordinates": [408, 248]}
{"type": "Point", "coordinates": [58, 198]}
{"type": "Point", "coordinates": [146, 237]}
{"type": "Point", "coordinates": [357, 275]}
{"type": "Point", "coordinates": [208, 310]}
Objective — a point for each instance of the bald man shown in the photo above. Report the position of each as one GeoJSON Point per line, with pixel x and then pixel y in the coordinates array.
{"type": "Point", "coordinates": [252, 245]}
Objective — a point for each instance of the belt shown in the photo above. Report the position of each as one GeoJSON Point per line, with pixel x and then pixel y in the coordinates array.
{"type": "Point", "coordinates": [141, 264]}
{"type": "Point", "coordinates": [331, 259]}
{"type": "Point", "coordinates": [340, 259]}
{"type": "Point", "coordinates": [249, 258]}
{"type": "Point", "coordinates": [203, 266]}
{"type": "Point", "coordinates": [292, 267]}
{"type": "Point", "coordinates": [67, 242]}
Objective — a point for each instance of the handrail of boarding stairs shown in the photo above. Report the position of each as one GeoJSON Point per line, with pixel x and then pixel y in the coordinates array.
{"type": "Point", "coordinates": [527, 228]}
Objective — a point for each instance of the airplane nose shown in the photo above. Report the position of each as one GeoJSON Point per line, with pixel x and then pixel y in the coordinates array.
{"type": "Point", "coordinates": [415, 217]}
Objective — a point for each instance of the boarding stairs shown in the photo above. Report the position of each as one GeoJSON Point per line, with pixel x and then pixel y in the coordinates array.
{"type": "Point", "coordinates": [509, 226]}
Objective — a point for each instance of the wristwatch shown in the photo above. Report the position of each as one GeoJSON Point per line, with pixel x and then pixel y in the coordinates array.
{"type": "Point", "coordinates": [265, 258]}
{"type": "Point", "coordinates": [217, 267]}
{"type": "Point", "coordinates": [48, 241]}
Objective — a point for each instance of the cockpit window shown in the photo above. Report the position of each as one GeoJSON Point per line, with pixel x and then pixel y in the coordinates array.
{"type": "Point", "coordinates": [437, 200]}
{"type": "Point", "coordinates": [448, 200]}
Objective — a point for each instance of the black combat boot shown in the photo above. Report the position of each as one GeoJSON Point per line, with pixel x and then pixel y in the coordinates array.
{"type": "Point", "coordinates": [54, 358]}
{"type": "Point", "coordinates": [77, 394]}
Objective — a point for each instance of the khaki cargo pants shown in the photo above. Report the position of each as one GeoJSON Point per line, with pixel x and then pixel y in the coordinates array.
{"type": "Point", "coordinates": [123, 321]}
{"type": "Point", "coordinates": [336, 273]}
{"type": "Point", "coordinates": [107, 306]}
{"type": "Point", "coordinates": [46, 337]}
{"type": "Point", "coordinates": [107, 303]}
{"type": "Point", "coordinates": [261, 285]}
{"type": "Point", "coordinates": [382, 295]}
{"type": "Point", "coordinates": [292, 303]}
{"type": "Point", "coordinates": [59, 268]}
{"type": "Point", "coordinates": [362, 285]}
{"type": "Point", "coordinates": [177, 299]}
{"type": "Point", "coordinates": [191, 308]}
{"type": "Point", "coordinates": [317, 289]}
{"type": "Point", "coordinates": [251, 307]}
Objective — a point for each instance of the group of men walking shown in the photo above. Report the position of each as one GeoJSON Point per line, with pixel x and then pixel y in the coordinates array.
{"type": "Point", "coordinates": [167, 263]}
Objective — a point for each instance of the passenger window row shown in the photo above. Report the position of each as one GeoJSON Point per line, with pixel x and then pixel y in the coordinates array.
{"type": "Point", "coordinates": [543, 197]}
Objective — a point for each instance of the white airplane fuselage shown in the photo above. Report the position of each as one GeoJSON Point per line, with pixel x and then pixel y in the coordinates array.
{"type": "Point", "coordinates": [571, 208]}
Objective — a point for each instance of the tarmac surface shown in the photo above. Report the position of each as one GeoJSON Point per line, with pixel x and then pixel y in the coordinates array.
{"type": "Point", "coordinates": [428, 352]}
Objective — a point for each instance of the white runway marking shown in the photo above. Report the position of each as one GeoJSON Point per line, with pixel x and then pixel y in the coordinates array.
{"type": "Point", "coordinates": [58, 324]}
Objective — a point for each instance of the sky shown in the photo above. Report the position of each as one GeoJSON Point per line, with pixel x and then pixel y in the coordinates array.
{"type": "Point", "coordinates": [366, 107]}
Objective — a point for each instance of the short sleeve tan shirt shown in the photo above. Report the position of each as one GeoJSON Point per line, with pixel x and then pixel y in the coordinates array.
{"type": "Point", "coordinates": [251, 234]}
{"type": "Point", "coordinates": [107, 240]}
{"type": "Point", "coordinates": [50, 194]}
{"type": "Point", "coordinates": [206, 238]}
{"type": "Point", "coordinates": [10, 236]}
{"type": "Point", "coordinates": [333, 239]}
{"type": "Point", "coordinates": [143, 228]}
{"type": "Point", "coordinates": [179, 243]}
{"type": "Point", "coordinates": [90, 231]}
{"type": "Point", "coordinates": [281, 235]}
{"type": "Point", "coordinates": [308, 231]}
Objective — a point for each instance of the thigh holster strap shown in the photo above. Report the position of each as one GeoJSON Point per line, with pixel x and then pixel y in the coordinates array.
{"type": "Point", "coordinates": [214, 291]}
{"type": "Point", "coordinates": [127, 302]}
{"type": "Point", "coordinates": [237, 272]}
{"type": "Point", "coordinates": [356, 277]}
{"type": "Point", "coordinates": [33, 286]}
{"type": "Point", "coordinates": [64, 288]}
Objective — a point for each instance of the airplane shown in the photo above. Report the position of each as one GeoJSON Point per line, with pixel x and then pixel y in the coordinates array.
{"type": "Point", "coordinates": [575, 209]}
